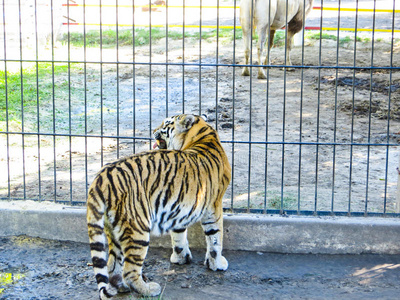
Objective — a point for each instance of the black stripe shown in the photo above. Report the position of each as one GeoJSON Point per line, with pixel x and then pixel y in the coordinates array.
{"type": "Point", "coordinates": [167, 194]}
{"type": "Point", "coordinates": [129, 166]}
{"type": "Point", "coordinates": [139, 166]}
{"type": "Point", "coordinates": [105, 292]}
{"type": "Point", "coordinates": [141, 242]}
{"type": "Point", "coordinates": [160, 223]}
{"type": "Point", "coordinates": [101, 278]}
{"type": "Point", "coordinates": [179, 230]}
{"type": "Point", "coordinates": [132, 247]}
{"type": "Point", "coordinates": [94, 211]}
{"type": "Point", "coordinates": [97, 246]}
{"type": "Point", "coordinates": [98, 262]}
{"type": "Point", "coordinates": [95, 226]}
{"type": "Point", "coordinates": [128, 260]}
{"type": "Point", "coordinates": [112, 184]}
{"type": "Point", "coordinates": [178, 250]}
{"type": "Point", "coordinates": [208, 223]}
{"type": "Point", "coordinates": [211, 232]}
{"type": "Point", "coordinates": [202, 130]}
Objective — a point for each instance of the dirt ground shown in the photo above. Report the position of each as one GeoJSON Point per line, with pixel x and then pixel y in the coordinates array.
{"type": "Point", "coordinates": [313, 105]}
{"type": "Point", "coordinates": [44, 269]}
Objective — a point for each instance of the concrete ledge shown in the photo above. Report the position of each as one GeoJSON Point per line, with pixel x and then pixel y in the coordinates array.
{"type": "Point", "coordinates": [328, 235]}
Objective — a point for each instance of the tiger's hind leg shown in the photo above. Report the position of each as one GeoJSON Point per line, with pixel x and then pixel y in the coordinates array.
{"type": "Point", "coordinates": [134, 247]}
{"type": "Point", "coordinates": [213, 229]}
{"type": "Point", "coordinates": [115, 265]}
{"type": "Point", "coordinates": [180, 247]}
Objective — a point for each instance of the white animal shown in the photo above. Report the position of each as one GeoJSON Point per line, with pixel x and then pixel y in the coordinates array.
{"type": "Point", "coordinates": [276, 19]}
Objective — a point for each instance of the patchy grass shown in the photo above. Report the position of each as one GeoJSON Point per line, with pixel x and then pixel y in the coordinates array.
{"type": "Point", "coordinates": [109, 37]}
{"type": "Point", "coordinates": [27, 95]}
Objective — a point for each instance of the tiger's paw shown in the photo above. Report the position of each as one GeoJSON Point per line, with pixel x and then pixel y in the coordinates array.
{"type": "Point", "coordinates": [181, 256]}
{"type": "Point", "coordinates": [216, 263]}
{"type": "Point", "coordinates": [150, 289]}
{"type": "Point", "coordinates": [117, 282]}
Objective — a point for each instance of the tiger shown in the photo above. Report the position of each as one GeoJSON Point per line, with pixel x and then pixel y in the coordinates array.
{"type": "Point", "coordinates": [180, 182]}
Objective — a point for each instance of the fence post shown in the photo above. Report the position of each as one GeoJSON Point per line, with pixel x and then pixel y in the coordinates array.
{"type": "Point", "coordinates": [398, 188]}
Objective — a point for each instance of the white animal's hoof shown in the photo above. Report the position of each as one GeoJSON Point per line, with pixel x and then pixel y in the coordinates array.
{"type": "Point", "coordinates": [246, 72]}
{"type": "Point", "coordinates": [261, 74]}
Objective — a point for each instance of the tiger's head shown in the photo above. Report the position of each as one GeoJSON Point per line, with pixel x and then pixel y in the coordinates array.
{"type": "Point", "coordinates": [171, 134]}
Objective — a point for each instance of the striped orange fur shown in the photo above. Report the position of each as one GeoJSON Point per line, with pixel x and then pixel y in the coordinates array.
{"type": "Point", "coordinates": [160, 191]}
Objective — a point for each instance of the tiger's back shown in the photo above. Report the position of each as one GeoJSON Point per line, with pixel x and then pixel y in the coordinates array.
{"type": "Point", "coordinates": [158, 191]}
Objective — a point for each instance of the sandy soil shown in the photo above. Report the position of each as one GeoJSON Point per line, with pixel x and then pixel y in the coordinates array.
{"type": "Point", "coordinates": [43, 269]}
{"type": "Point", "coordinates": [311, 105]}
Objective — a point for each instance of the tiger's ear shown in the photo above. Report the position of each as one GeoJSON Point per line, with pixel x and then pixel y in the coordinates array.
{"type": "Point", "coordinates": [185, 123]}
{"type": "Point", "coordinates": [204, 117]}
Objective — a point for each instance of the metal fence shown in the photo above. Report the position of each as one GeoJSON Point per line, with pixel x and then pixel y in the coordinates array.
{"type": "Point", "coordinates": [83, 83]}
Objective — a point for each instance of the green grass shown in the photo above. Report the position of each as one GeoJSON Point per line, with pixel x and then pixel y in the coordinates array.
{"type": "Point", "coordinates": [108, 38]}
{"type": "Point", "coordinates": [312, 35]}
{"type": "Point", "coordinates": [23, 93]}
{"type": "Point", "coordinates": [289, 202]}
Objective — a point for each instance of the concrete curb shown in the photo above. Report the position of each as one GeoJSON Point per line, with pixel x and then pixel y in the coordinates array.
{"type": "Point", "coordinates": [294, 234]}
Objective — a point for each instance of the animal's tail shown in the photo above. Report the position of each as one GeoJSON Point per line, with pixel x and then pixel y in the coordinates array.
{"type": "Point", "coordinates": [96, 208]}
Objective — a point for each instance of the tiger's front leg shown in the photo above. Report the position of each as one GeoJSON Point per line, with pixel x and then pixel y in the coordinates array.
{"type": "Point", "coordinates": [180, 247]}
{"type": "Point", "coordinates": [213, 229]}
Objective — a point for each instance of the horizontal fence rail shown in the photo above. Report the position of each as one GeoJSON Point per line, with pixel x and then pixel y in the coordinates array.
{"type": "Point", "coordinates": [320, 136]}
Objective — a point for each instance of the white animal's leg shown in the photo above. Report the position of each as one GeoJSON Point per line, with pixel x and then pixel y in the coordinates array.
{"type": "Point", "coordinates": [289, 44]}
{"type": "Point", "coordinates": [265, 12]}
{"type": "Point", "coordinates": [180, 248]}
{"type": "Point", "coordinates": [245, 21]}
{"type": "Point", "coordinates": [262, 36]}
{"type": "Point", "coordinates": [295, 25]}
{"type": "Point", "coordinates": [213, 229]}
{"type": "Point", "coordinates": [247, 46]}
{"type": "Point", "coordinates": [271, 43]}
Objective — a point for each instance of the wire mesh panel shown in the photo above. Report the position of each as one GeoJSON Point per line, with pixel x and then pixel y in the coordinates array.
{"type": "Point", "coordinates": [85, 82]}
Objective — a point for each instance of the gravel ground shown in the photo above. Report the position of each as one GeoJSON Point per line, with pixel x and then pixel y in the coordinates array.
{"type": "Point", "coordinates": [45, 269]}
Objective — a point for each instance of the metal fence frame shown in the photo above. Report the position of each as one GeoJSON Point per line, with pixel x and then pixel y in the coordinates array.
{"type": "Point", "coordinates": [23, 133]}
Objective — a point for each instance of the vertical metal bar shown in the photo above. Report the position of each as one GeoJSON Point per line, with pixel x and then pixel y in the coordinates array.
{"type": "Point", "coordinates": [233, 102]}
{"type": "Point", "coordinates": [352, 112]}
{"type": "Point", "coordinates": [267, 111]}
{"type": "Point", "coordinates": [54, 104]}
{"type": "Point", "coordinates": [101, 87]}
{"type": "Point", "coordinates": [216, 70]}
{"type": "Point", "coordinates": [166, 59]}
{"type": "Point", "coordinates": [335, 114]}
{"type": "Point", "coordinates": [134, 77]}
{"type": "Point", "coordinates": [250, 107]}
{"type": "Point", "coordinates": [6, 99]}
{"type": "Point", "coordinates": [389, 108]}
{"type": "Point", "coordinates": [318, 112]}
{"type": "Point", "coordinates": [370, 111]}
{"type": "Point", "coordinates": [150, 68]}
{"type": "Point", "coordinates": [117, 50]}
{"type": "Point", "coordinates": [200, 32]}
{"type": "Point", "coordinates": [85, 97]}
{"type": "Point", "coordinates": [69, 108]}
{"type": "Point", "coordinates": [284, 109]}
{"type": "Point", "coordinates": [37, 103]}
{"type": "Point", "coordinates": [183, 56]}
{"type": "Point", "coordinates": [22, 100]}
{"type": "Point", "coordinates": [301, 111]}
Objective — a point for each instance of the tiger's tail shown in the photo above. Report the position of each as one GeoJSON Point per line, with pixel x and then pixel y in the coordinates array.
{"type": "Point", "coordinates": [96, 208]}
